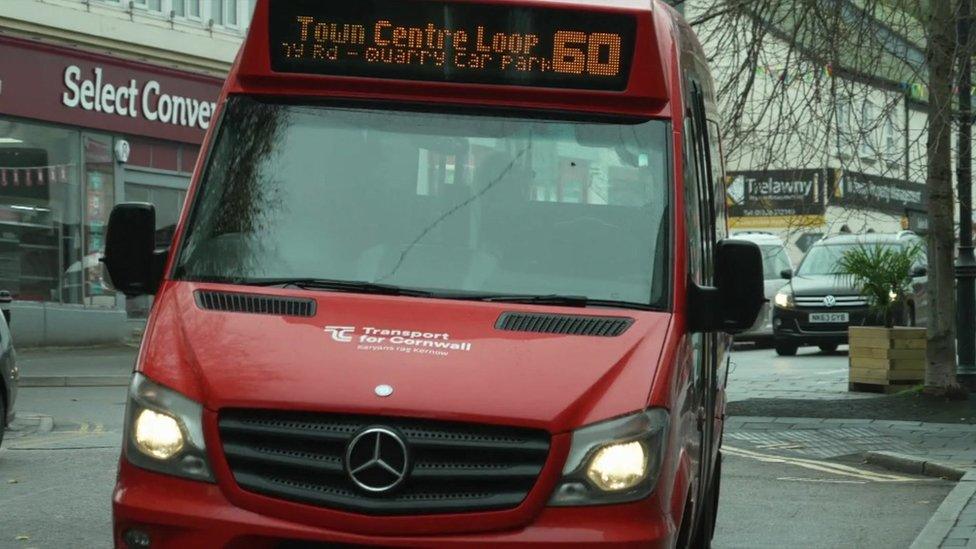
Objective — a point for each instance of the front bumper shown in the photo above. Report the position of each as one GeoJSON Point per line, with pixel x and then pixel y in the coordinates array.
{"type": "Point", "coordinates": [794, 325]}
{"type": "Point", "coordinates": [180, 513]}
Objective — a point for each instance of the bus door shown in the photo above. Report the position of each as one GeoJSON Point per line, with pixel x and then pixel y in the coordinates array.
{"type": "Point", "coordinates": [700, 198]}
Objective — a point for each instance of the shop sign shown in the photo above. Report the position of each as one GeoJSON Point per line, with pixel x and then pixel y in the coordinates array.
{"type": "Point", "coordinates": [76, 88]}
{"type": "Point", "coordinates": [880, 194]}
{"type": "Point", "coordinates": [776, 193]}
{"type": "Point", "coordinates": [133, 99]}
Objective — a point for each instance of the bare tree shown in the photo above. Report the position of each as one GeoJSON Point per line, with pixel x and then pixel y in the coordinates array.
{"type": "Point", "coordinates": [940, 376]}
{"type": "Point", "coordinates": [789, 74]}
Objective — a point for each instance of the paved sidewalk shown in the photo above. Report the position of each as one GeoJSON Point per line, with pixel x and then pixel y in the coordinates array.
{"type": "Point", "coordinates": [939, 449]}
{"type": "Point", "coordinates": [952, 445]}
{"type": "Point", "coordinates": [954, 523]}
{"type": "Point", "coordinates": [76, 367]}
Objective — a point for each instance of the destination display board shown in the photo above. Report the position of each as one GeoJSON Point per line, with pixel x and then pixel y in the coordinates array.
{"type": "Point", "coordinates": [453, 42]}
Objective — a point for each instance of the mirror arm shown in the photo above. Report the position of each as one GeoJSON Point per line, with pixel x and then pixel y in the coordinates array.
{"type": "Point", "coordinates": [158, 267]}
{"type": "Point", "coordinates": [704, 309]}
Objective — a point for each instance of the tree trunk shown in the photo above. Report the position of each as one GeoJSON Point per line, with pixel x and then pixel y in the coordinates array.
{"type": "Point", "coordinates": [940, 375]}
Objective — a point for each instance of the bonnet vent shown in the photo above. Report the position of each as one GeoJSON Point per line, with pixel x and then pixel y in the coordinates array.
{"type": "Point", "coordinates": [257, 304]}
{"type": "Point", "coordinates": [602, 326]}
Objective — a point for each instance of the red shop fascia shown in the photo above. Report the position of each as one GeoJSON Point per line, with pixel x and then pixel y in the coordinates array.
{"type": "Point", "coordinates": [161, 113]}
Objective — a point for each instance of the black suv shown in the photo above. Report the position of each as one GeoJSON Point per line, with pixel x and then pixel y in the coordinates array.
{"type": "Point", "coordinates": [818, 304]}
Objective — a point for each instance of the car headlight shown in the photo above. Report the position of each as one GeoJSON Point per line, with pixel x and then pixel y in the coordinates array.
{"type": "Point", "coordinates": [784, 300]}
{"type": "Point", "coordinates": [614, 462]}
{"type": "Point", "coordinates": [164, 431]}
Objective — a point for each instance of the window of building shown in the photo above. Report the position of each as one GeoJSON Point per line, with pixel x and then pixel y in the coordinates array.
{"type": "Point", "coordinates": [227, 13]}
{"type": "Point", "coordinates": [186, 8]}
{"type": "Point", "coordinates": [41, 255]}
{"type": "Point", "coordinates": [844, 116]}
{"type": "Point", "coordinates": [230, 12]}
{"type": "Point", "coordinates": [869, 118]}
{"type": "Point", "coordinates": [151, 5]}
{"type": "Point", "coordinates": [891, 138]}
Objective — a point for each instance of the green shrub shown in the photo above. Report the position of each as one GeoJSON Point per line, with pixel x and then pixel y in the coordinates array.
{"type": "Point", "coordinates": [883, 274]}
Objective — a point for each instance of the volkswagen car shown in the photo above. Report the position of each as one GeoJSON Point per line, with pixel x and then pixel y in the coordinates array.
{"type": "Point", "coordinates": [818, 304]}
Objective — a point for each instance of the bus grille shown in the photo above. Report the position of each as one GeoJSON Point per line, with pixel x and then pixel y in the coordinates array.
{"type": "Point", "coordinates": [452, 467]}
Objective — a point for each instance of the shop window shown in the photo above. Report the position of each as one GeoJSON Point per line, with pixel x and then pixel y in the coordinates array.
{"type": "Point", "coordinates": [40, 214]}
{"type": "Point", "coordinates": [99, 199]}
{"type": "Point", "coordinates": [168, 203]}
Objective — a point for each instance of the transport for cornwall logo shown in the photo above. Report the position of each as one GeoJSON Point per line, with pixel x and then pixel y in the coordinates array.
{"type": "Point", "coordinates": [369, 338]}
{"type": "Point", "coordinates": [342, 334]}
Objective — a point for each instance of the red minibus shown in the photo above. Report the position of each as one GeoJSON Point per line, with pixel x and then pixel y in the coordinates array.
{"type": "Point", "coordinates": [451, 272]}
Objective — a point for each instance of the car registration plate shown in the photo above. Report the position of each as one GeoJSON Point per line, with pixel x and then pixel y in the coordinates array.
{"type": "Point", "coordinates": [830, 318]}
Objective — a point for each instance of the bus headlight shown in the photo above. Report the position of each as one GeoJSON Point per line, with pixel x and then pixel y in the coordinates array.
{"type": "Point", "coordinates": [617, 461]}
{"type": "Point", "coordinates": [164, 432]}
{"type": "Point", "coordinates": [618, 466]}
{"type": "Point", "coordinates": [158, 435]}
{"type": "Point", "coordinates": [784, 300]}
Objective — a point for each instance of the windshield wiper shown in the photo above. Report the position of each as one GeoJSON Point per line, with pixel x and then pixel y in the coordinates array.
{"type": "Point", "coordinates": [558, 300]}
{"type": "Point", "coordinates": [566, 300]}
{"type": "Point", "coordinates": [349, 286]}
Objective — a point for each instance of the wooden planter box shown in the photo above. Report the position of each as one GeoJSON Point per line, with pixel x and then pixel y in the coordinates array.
{"type": "Point", "coordinates": [886, 359]}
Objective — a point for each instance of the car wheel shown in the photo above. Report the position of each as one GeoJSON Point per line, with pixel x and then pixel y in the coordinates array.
{"type": "Point", "coordinates": [829, 348]}
{"type": "Point", "coordinates": [786, 349]}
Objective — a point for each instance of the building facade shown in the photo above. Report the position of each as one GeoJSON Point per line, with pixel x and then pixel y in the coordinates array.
{"type": "Point", "coordinates": [101, 102]}
{"type": "Point", "coordinates": [822, 147]}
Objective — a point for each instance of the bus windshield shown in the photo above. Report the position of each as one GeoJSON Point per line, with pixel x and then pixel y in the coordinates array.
{"type": "Point", "coordinates": [444, 202]}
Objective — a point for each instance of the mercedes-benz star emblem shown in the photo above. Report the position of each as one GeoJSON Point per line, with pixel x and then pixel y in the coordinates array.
{"type": "Point", "coordinates": [830, 301]}
{"type": "Point", "coordinates": [377, 460]}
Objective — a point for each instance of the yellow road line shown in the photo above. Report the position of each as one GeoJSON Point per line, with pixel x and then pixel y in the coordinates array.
{"type": "Point", "coordinates": [816, 465]}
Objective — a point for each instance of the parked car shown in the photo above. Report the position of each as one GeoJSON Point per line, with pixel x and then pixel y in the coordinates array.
{"type": "Point", "coordinates": [818, 304]}
{"type": "Point", "coordinates": [8, 367]}
{"type": "Point", "coordinates": [775, 261]}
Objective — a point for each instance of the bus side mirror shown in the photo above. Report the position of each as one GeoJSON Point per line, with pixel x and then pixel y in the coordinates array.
{"type": "Point", "coordinates": [131, 260]}
{"type": "Point", "coordinates": [786, 274]}
{"type": "Point", "coordinates": [733, 305]}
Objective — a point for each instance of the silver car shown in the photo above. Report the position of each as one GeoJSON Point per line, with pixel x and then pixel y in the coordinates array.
{"type": "Point", "coordinates": [8, 367]}
{"type": "Point", "coordinates": [775, 261]}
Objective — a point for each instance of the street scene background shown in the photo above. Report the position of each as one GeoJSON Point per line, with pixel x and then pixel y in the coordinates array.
{"type": "Point", "coordinates": [826, 130]}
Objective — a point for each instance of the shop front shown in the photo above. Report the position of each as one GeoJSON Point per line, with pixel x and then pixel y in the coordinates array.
{"type": "Point", "coordinates": [803, 205]}
{"type": "Point", "coordinates": [79, 133]}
